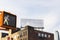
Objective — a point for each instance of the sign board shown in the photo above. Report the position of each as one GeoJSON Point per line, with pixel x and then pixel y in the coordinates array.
{"type": "Point", "coordinates": [32, 22]}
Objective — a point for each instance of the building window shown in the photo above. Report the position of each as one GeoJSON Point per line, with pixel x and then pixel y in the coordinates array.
{"type": "Point", "coordinates": [11, 38]}
{"type": "Point", "coordinates": [48, 36]}
{"type": "Point", "coordinates": [39, 34]}
{"type": "Point", "coordinates": [21, 35]}
{"type": "Point", "coordinates": [24, 33]}
{"type": "Point", "coordinates": [18, 37]}
{"type": "Point", "coordinates": [42, 35]}
{"type": "Point", "coordinates": [45, 35]}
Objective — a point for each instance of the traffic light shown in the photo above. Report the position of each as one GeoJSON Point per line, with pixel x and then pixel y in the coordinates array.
{"type": "Point", "coordinates": [7, 20]}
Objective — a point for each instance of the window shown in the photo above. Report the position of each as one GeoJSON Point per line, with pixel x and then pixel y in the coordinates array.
{"type": "Point", "coordinates": [21, 35]}
{"type": "Point", "coordinates": [24, 33]}
{"type": "Point", "coordinates": [25, 39]}
{"type": "Point", "coordinates": [48, 36]}
{"type": "Point", "coordinates": [11, 38]}
{"type": "Point", "coordinates": [39, 34]}
{"type": "Point", "coordinates": [42, 35]}
{"type": "Point", "coordinates": [20, 39]}
{"type": "Point", "coordinates": [45, 35]}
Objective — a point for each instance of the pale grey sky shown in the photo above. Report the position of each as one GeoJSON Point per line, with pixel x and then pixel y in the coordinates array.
{"type": "Point", "coordinates": [49, 10]}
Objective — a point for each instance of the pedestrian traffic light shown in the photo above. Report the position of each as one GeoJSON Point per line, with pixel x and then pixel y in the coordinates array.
{"type": "Point", "coordinates": [7, 20]}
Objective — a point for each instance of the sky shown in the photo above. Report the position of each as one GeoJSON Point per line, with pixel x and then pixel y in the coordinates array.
{"type": "Point", "coordinates": [48, 10]}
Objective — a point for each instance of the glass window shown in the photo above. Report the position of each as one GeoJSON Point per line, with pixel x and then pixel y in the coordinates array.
{"type": "Point", "coordinates": [48, 36]}
{"type": "Point", "coordinates": [39, 34]}
{"type": "Point", "coordinates": [45, 35]}
{"type": "Point", "coordinates": [42, 35]}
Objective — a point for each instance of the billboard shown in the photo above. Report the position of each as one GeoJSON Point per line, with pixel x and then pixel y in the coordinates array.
{"type": "Point", "coordinates": [32, 22]}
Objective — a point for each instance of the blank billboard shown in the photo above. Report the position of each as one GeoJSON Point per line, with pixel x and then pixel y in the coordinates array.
{"type": "Point", "coordinates": [32, 22]}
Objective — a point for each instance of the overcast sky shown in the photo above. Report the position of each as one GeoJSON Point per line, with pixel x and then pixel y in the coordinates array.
{"type": "Point", "coordinates": [49, 10]}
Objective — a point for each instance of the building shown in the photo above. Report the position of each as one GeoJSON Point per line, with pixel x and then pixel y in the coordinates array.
{"type": "Point", "coordinates": [28, 33]}
{"type": "Point", "coordinates": [11, 35]}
